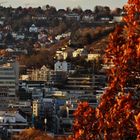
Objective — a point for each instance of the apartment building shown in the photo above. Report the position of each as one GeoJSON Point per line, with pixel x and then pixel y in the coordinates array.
{"type": "Point", "coordinates": [39, 74]}
{"type": "Point", "coordinates": [9, 73]}
{"type": "Point", "coordinates": [79, 85]}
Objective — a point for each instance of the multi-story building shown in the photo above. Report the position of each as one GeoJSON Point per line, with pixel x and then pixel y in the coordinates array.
{"type": "Point", "coordinates": [39, 74]}
{"type": "Point", "coordinates": [76, 85]}
{"type": "Point", "coordinates": [12, 121]}
{"type": "Point", "coordinates": [66, 118]}
{"type": "Point", "coordinates": [9, 74]}
{"type": "Point", "coordinates": [57, 78]}
{"type": "Point", "coordinates": [62, 66]}
{"type": "Point", "coordinates": [36, 107]}
{"type": "Point", "coordinates": [45, 109]}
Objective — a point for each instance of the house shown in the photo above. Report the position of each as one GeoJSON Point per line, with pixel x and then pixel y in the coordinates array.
{"type": "Point", "coordinates": [88, 18]}
{"type": "Point", "coordinates": [24, 106]}
{"type": "Point", "coordinates": [117, 18]}
{"type": "Point", "coordinates": [33, 28]}
{"type": "Point", "coordinates": [12, 121]}
{"type": "Point", "coordinates": [80, 52]}
{"type": "Point", "coordinates": [92, 57]}
{"type": "Point", "coordinates": [29, 86]}
{"type": "Point", "coordinates": [44, 73]}
{"type": "Point", "coordinates": [20, 36]}
{"type": "Point", "coordinates": [61, 55]}
{"type": "Point", "coordinates": [42, 37]}
{"type": "Point", "coordinates": [39, 17]}
{"type": "Point", "coordinates": [72, 16]}
{"type": "Point", "coordinates": [62, 66]}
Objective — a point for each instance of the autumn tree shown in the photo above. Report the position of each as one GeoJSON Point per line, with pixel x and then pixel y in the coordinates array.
{"type": "Point", "coordinates": [137, 118]}
{"type": "Point", "coordinates": [114, 118]}
{"type": "Point", "coordinates": [34, 134]}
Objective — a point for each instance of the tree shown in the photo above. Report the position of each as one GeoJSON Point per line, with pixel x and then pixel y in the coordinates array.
{"type": "Point", "coordinates": [34, 134]}
{"type": "Point", "coordinates": [77, 10]}
{"type": "Point", "coordinates": [116, 116]}
{"type": "Point", "coordinates": [137, 118]}
{"type": "Point", "coordinates": [83, 128]}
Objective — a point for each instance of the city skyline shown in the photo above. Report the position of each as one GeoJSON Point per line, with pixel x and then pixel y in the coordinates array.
{"type": "Point", "coordinates": [84, 4]}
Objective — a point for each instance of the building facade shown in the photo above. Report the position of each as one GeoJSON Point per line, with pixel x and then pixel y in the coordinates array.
{"type": "Point", "coordinates": [9, 74]}
{"type": "Point", "coordinates": [62, 66]}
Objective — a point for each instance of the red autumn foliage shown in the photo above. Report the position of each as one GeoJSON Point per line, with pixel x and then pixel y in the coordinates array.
{"type": "Point", "coordinates": [137, 118]}
{"type": "Point", "coordinates": [83, 125]}
{"type": "Point", "coordinates": [114, 118]}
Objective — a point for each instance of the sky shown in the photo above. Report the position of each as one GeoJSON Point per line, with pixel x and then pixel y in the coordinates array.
{"type": "Point", "coordinates": [84, 4]}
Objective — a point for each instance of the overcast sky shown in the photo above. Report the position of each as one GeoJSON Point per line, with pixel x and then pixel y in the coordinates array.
{"type": "Point", "coordinates": [85, 4]}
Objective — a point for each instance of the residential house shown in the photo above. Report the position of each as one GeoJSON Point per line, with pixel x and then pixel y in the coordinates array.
{"type": "Point", "coordinates": [80, 52]}
{"type": "Point", "coordinates": [62, 66]}
{"type": "Point", "coordinates": [61, 55]}
{"type": "Point", "coordinates": [72, 16]}
{"type": "Point", "coordinates": [13, 121]}
{"type": "Point", "coordinates": [91, 57]}
{"type": "Point", "coordinates": [24, 106]}
{"type": "Point", "coordinates": [88, 18]}
{"type": "Point", "coordinates": [33, 28]}
{"type": "Point", "coordinates": [117, 18]}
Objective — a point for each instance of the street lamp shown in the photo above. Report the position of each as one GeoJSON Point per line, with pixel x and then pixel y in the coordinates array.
{"type": "Point", "coordinates": [45, 121]}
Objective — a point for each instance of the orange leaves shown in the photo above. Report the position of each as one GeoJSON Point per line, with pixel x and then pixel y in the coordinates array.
{"type": "Point", "coordinates": [137, 119]}
{"type": "Point", "coordinates": [114, 116]}
{"type": "Point", "coordinates": [34, 134]}
{"type": "Point", "coordinates": [83, 123]}
{"type": "Point", "coordinates": [138, 48]}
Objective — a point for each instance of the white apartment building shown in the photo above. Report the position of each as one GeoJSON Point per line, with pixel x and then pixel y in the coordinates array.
{"type": "Point", "coordinates": [9, 74]}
